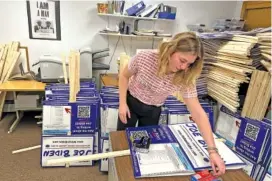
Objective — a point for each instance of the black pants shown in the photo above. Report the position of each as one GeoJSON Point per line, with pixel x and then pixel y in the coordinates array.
{"type": "Point", "coordinates": [147, 115]}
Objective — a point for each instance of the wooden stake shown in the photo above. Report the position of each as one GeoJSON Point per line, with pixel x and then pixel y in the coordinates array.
{"type": "Point", "coordinates": [258, 95]}
{"type": "Point", "coordinates": [266, 98]}
{"type": "Point", "coordinates": [266, 64]}
{"type": "Point", "coordinates": [26, 149]}
{"type": "Point", "coordinates": [267, 56]}
{"type": "Point", "coordinates": [78, 71]}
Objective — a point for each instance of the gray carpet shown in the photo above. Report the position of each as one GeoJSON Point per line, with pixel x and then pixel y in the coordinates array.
{"type": "Point", "coordinates": [26, 166]}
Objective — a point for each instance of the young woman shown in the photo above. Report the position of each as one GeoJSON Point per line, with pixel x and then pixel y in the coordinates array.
{"type": "Point", "coordinates": [151, 76]}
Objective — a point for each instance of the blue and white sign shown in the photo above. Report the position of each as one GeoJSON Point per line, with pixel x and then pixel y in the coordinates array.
{"type": "Point", "coordinates": [227, 126]}
{"type": "Point", "coordinates": [83, 117]}
{"type": "Point", "coordinates": [104, 163]}
{"type": "Point", "coordinates": [66, 146]}
{"type": "Point", "coordinates": [251, 139]}
{"type": "Point", "coordinates": [188, 145]}
{"type": "Point", "coordinates": [268, 176]}
{"type": "Point", "coordinates": [109, 118]}
{"type": "Point", "coordinates": [56, 119]}
{"type": "Point", "coordinates": [191, 140]}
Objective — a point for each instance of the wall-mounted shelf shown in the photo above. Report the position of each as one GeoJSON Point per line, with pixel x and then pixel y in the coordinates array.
{"type": "Point", "coordinates": [134, 36]}
{"type": "Point", "coordinates": [134, 17]}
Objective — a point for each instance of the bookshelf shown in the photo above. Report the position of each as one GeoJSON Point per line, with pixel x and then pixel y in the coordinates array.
{"type": "Point", "coordinates": [134, 17]}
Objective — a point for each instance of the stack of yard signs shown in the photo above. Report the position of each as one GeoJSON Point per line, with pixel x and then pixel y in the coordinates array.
{"type": "Point", "coordinates": [70, 118]}
{"type": "Point", "coordinates": [108, 120]}
{"type": "Point", "coordinates": [249, 138]}
{"type": "Point", "coordinates": [201, 83]}
{"type": "Point", "coordinates": [178, 113]}
{"type": "Point", "coordinates": [9, 55]}
{"type": "Point", "coordinates": [229, 66]}
{"type": "Point", "coordinates": [264, 41]}
{"type": "Point", "coordinates": [231, 58]}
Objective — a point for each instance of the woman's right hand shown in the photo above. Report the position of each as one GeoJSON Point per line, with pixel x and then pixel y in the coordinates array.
{"type": "Point", "coordinates": [124, 113]}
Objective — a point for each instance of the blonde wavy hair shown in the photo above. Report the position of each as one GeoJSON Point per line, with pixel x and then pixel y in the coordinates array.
{"type": "Point", "coordinates": [186, 42]}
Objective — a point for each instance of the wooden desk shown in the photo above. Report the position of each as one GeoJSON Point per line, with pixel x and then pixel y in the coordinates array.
{"type": "Point", "coordinates": [109, 79]}
{"type": "Point", "coordinates": [20, 85]}
{"type": "Point", "coordinates": [120, 168]}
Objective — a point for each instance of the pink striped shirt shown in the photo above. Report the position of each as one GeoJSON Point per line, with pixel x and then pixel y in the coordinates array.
{"type": "Point", "coordinates": [146, 86]}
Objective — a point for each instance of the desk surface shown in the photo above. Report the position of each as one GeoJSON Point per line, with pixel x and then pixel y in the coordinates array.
{"type": "Point", "coordinates": [22, 85]}
{"type": "Point", "coordinates": [109, 79]}
{"type": "Point", "coordinates": [125, 171]}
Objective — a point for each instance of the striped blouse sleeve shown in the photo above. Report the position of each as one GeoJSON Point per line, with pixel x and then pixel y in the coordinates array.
{"type": "Point", "coordinates": [189, 92]}
{"type": "Point", "coordinates": [134, 63]}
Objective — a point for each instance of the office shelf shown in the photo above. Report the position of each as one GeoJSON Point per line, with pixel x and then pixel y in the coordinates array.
{"type": "Point", "coordinates": [134, 17]}
{"type": "Point", "coordinates": [135, 36]}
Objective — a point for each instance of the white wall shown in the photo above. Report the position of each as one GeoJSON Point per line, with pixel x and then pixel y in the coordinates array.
{"type": "Point", "coordinates": [80, 25]}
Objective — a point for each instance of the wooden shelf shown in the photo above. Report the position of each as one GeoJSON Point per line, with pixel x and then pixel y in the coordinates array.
{"type": "Point", "coordinates": [134, 17]}
{"type": "Point", "coordinates": [134, 36]}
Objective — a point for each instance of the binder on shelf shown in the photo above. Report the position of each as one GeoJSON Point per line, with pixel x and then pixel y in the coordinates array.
{"type": "Point", "coordinates": [177, 149]}
{"type": "Point", "coordinates": [132, 11]}
{"type": "Point", "coordinates": [149, 11]}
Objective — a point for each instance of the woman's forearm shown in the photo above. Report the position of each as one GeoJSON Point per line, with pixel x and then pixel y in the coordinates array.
{"type": "Point", "coordinates": [123, 87]}
{"type": "Point", "coordinates": [203, 124]}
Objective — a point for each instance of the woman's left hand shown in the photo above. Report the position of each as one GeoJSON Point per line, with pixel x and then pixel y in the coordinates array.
{"type": "Point", "coordinates": [217, 164]}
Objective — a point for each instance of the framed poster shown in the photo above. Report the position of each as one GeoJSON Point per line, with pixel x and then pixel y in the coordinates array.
{"type": "Point", "coordinates": [44, 19]}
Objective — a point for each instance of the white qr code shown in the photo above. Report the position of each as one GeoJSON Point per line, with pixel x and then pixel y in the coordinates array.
{"type": "Point", "coordinates": [83, 112]}
{"type": "Point", "coordinates": [252, 131]}
{"type": "Point", "coordinates": [137, 135]}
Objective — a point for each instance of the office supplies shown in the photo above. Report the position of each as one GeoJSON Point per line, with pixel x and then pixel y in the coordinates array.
{"type": "Point", "coordinates": [141, 145]}
{"type": "Point", "coordinates": [204, 175]}
{"type": "Point", "coordinates": [167, 12]}
{"type": "Point", "coordinates": [102, 7]}
{"type": "Point", "coordinates": [132, 11]}
{"type": "Point", "coordinates": [51, 67]}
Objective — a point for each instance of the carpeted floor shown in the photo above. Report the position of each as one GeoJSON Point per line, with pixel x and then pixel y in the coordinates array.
{"type": "Point", "coordinates": [26, 166]}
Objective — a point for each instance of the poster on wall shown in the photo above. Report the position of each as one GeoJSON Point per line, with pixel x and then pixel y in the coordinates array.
{"type": "Point", "coordinates": [44, 19]}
